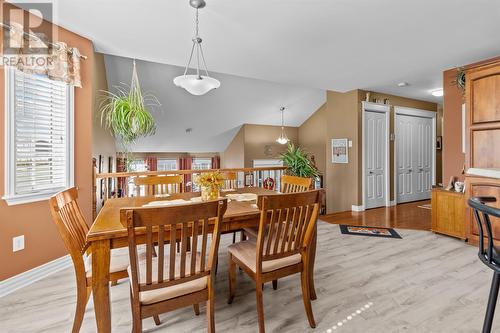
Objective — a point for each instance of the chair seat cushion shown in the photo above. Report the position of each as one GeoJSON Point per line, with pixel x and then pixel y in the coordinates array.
{"type": "Point", "coordinates": [246, 252]}
{"type": "Point", "coordinates": [119, 260]}
{"type": "Point", "coordinates": [162, 294]}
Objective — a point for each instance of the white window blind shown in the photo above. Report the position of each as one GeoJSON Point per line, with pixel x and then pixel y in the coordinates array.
{"type": "Point", "coordinates": [39, 129]}
{"type": "Point", "coordinates": [167, 164]}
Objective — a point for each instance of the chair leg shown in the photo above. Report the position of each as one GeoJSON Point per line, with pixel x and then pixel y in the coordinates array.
{"type": "Point", "coordinates": [82, 297]}
{"type": "Point", "coordinates": [232, 279]}
{"type": "Point", "coordinates": [492, 301]}
{"type": "Point", "coordinates": [234, 237]}
{"type": "Point", "coordinates": [210, 314]}
{"type": "Point", "coordinates": [136, 316]}
{"type": "Point", "coordinates": [196, 308]}
{"type": "Point", "coordinates": [304, 279]}
{"type": "Point", "coordinates": [157, 320]}
{"type": "Point", "coordinates": [275, 284]}
{"type": "Point", "coordinates": [260, 306]}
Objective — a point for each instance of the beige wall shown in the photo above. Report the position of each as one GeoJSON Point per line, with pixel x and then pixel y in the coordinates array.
{"type": "Point", "coordinates": [234, 155]}
{"type": "Point", "coordinates": [312, 134]}
{"type": "Point", "coordinates": [42, 240]}
{"type": "Point", "coordinates": [255, 142]}
{"type": "Point", "coordinates": [260, 142]}
{"type": "Point", "coordinates": [340, 117]}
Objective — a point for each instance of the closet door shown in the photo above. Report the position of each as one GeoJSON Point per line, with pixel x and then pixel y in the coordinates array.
{"type": "Point", "coordinates": [414, 150]}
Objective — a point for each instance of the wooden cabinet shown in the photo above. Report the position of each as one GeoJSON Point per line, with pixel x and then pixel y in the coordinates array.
{"type": "Point", "coordinates": [448, 213]}
{"type": "Point", "coordinates": [482, 137]}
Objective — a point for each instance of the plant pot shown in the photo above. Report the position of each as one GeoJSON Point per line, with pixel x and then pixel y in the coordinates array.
{"type": "Point", "coordinates": [209, 193]}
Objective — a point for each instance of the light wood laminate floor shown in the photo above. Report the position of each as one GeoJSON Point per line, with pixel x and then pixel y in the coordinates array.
{"type": "Point", "coordinates": [421, 283]}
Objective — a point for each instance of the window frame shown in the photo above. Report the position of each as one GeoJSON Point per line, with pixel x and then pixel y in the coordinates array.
{"type": "Point", "coordinates": [9, 192]}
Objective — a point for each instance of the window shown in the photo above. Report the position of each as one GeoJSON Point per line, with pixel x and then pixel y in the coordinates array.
{"type": "Point", "coordinates": [201, 164]}
{"type": "Point", "coordinates": [167, 164]}
{"type": "Point", "coordinates": [39, 141]}
{"type": "Point", "coordinates": [138, 165]}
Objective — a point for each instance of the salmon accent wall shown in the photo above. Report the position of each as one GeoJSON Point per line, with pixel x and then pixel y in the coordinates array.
{"type": "Point", "coordinates": [42, 241]}
{"type": "Point", "coordinates": [453, 157]}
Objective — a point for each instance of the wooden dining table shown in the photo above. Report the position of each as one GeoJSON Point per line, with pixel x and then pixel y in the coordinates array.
{"type": "Point", "coordinates": [108, 233]}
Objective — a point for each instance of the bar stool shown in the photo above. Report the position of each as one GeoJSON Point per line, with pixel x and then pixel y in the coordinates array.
{"type": "Point", "coordinates": [489, 256]}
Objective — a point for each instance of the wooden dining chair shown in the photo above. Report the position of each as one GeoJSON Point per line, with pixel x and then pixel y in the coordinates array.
{"type": "Point", "coordinates": [73, 230]}
{"type": "Point", "coordinates": [173, 280]}
{"type": "Point", "coordinates": [283, 246]}
{"type": "Point", "coordinates": [289, 184]}
{"type": "Point", "coordinates": [230, 180]}
{"type": "Point", "coordinates": [158, 185]}
{"type": "Point", "coordinates": [294, 184]}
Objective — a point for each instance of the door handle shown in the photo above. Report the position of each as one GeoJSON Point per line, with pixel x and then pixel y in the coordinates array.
{"type": "Point", "coordinates": [420, 169]}
{"type": "Point", "coordinates": [371, 172]}
{"type": "Point", "coordinates": [410, 170]}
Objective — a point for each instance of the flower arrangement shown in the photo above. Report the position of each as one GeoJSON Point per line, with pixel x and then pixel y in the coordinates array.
{"type": "Point", "coordinates": [210, 183]}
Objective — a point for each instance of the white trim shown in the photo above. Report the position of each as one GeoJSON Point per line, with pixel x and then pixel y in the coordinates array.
{"type": "Point", "coordinates": [26, 278]}
{"type": "Point", "coordinates": [386, 109]}
{"type": "Point", "coordinates": [392, 203]}
{"type": "Point", "coordinates": [9, 190]}
{"type": "Point", "coordinates": [355, 208]}
{"type": "Point", "coordinates": [401, 110]}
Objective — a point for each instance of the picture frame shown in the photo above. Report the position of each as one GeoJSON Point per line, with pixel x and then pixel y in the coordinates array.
{"type": "Point", "coordinates": [340, 151]}
{"type": "Point", "coordinates": [439, 142]}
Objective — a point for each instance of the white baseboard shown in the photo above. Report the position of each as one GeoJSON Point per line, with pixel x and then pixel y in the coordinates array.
{"type": "Point", "coordinates": [355, 208]}
{"type": "Point", "coordinates": [24, 279]}
{"type": "Point", "coordinates": [392, 203]}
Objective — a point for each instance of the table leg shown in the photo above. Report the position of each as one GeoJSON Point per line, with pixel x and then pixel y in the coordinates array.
{"type": "Point", "coordinates": [312, 291]}
{"type": "Point", "coordinates": [100, 284]}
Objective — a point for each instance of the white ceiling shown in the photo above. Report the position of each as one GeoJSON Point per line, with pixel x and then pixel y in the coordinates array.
{"type": "Point", "coordinates": [328, 44]}
{"type": "Point", "coordinates": [216, 117]}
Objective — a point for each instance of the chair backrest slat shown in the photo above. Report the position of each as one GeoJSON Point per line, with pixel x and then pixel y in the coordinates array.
{"type": "Point", "coordinates": [286, 224]}
{"type": "Point", "coordinates": [71, 225]}
{"type": "Point", "coordinates": [172, 223]}
{"type": "Point", "coordinates": [294, 184]}
{"type": "Point", "coordinates": [158, 184]}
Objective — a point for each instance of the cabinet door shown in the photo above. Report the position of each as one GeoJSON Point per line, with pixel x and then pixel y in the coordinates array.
{"type": "Point", "coordinates": [448, 213]}
{"type": "Point", "coordinates": [493, 191]}
{"type": "Point", "coordinates": [485, 98]}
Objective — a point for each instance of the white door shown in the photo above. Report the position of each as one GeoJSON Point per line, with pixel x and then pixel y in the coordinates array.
{"type": "Point", "coordinates": [413, 158]}
{"type": "Point", "coordinates": [375, 159]}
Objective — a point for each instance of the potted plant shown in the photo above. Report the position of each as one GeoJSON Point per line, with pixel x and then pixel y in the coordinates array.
{"type": "Point", "coordinates": [298, 162]}
{"type": "Point", "coordinates": [126, 115]}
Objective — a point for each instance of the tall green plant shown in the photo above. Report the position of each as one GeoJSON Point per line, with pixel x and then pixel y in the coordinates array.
{"type": "Point", "coordinates": [298, 162]}
{"type": "Point", "coordinates": [125, 112]}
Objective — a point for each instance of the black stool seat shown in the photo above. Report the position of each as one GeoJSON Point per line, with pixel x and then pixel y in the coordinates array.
{"type": "Point", "coordinates": [490, 256]}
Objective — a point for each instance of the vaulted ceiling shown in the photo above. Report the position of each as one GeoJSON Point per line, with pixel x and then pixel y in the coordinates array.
{"type": "Point", "coordinates": [328, 44]}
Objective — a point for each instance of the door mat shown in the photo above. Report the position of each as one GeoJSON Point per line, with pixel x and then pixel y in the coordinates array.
{"type": "Point", "coordinates": [369, 231]}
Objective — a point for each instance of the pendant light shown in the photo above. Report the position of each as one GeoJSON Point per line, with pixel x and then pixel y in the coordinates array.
{"type": "Point", "coordinates": [282, 139]}
{"type": "Point", "coordinates": [197, 84]}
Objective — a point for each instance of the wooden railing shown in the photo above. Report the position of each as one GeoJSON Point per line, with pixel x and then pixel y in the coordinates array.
{"type": "Point", "coordinates": [121, 184]}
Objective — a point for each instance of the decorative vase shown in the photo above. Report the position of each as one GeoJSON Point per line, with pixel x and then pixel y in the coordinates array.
{"type": "Point", "coordinates": [209, 193]}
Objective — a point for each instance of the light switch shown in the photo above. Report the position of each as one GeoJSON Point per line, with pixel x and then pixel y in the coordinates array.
{"type": "Point", "coordinates": [18, 243]}
{"type": "Point", "coordinates": [350, 143]}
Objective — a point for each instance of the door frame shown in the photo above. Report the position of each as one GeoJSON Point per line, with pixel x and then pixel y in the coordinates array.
{"type": "Point", "coordinates": [406, 111]}
{"type": "Point", "coordinates": [386, 110]}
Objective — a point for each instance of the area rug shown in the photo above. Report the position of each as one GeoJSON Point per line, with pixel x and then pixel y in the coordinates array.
{"type": "Point", "coordinates": [427, 206]}
{"type": "Point", "coordinates": [369, 231]}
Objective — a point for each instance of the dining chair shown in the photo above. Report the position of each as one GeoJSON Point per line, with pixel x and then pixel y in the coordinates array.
{"type": "Point", "coordinates": [489, 254]}
{"type": "Point", "coordinates": [158, 185]}
{"type": "Point", "coordinates": [73, 230]}
{"type": "Point", "coordinates": [173, 280]}
{"type": "Point", "coordinates": [289, 184]}
{"type": "Point", "coordinates": [283, 246]}
{"type": "Point", "coordinates": [230, 180]}
{"type": "Point", "coordinates": [294, 184]}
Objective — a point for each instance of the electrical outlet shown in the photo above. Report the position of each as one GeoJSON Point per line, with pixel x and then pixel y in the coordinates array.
{"type": "Point", "coordinates": [18, 243]}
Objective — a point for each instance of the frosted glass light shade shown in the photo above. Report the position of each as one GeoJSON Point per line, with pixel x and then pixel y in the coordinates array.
{"type": "Point", "coordinates": [196, 85]}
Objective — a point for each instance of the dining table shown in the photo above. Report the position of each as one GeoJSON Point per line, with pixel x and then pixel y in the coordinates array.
{"type": "Point", "coordinates": [107, 233]}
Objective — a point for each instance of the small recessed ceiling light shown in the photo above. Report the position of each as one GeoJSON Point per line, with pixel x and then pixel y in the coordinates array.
{"type": "Point", "coordinates": [437, 92]}
{"type": "Point", "coordinates": [403, 84]}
